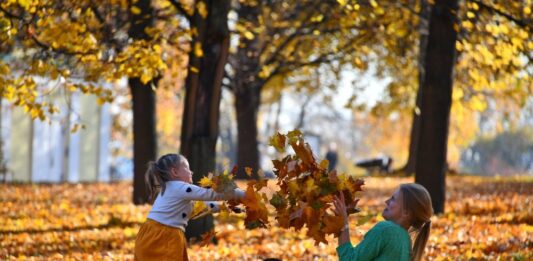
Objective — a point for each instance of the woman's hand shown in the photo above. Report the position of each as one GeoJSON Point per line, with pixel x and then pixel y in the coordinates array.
{"type": "Point", "coordinates": [340, 207]}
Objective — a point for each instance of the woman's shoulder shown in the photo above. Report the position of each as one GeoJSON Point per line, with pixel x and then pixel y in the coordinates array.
{"type": "Point", "coordinates": [389, 227]}
{"type": "Point", "coordinates": [387, 231]}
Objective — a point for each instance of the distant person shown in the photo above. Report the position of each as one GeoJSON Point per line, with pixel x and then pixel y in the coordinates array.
{"type": "Point", "coordinates": [332, 156]}
{"type": "Point", "coordinates": [408, 210]}
{"type": "Point", "coordinates": [162, 236]}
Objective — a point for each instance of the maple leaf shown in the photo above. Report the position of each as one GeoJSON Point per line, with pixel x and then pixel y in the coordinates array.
{"type": "Point", "coordinates": [278, 201]}
{"type": "Point", "coordinates": [294, 136]}
{"type": "Point", "coordinates": [248, 171]}
{"type": "Point", "coordinates": [260, 184]}
{"type": "Point", "coordinates": [207, 237]}
{"type": "Point", "coordinates": [205, 182]}
{"type": "Point", "coordinates": [303, 151]}
{"type": "Point", "coordinates": [333, 224]}
{"type": "Point", "coordinates": [220, 182]}
{"type": "Point", "coordinates": [324, 164]}
{"type": "Point", "coordinates": [278, 142]}
{"type": "Point", "coordinates": [198, 208]}
{"type": "Point", "coordinates": [256, 211]}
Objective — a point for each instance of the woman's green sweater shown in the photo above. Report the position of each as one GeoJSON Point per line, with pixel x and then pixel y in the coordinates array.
{"type": "Point", "coordinates": [385, 241]}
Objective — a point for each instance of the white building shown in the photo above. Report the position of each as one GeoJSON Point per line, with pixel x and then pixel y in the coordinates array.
{"type": "Point", "coordinates": [36, 151]}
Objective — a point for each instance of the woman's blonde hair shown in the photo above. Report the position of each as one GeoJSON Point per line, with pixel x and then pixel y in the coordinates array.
{"type": "Point", "coordinates": [417, 202]}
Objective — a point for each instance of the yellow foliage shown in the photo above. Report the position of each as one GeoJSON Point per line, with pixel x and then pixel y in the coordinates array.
{"type": "Point", "coordinates": [202, 9]}
{"type": "Point", "coordinates": [205, 182]}
{"type": "Point", "coordinates": [72, 37]}
{"type": "Point", "coordinates": [198, 49]}
{"type": "Point", "coordinates": [73, 221]}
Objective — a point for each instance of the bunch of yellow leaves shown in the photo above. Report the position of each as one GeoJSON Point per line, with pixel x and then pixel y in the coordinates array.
{"type": "Point", "coordinates": [307, 189]}
{"type": "Point", "coordinates": [220, 182]}
{"type": "Point", "coordinates": [305, 195]}
{"type": "Point", "coordinates": [254, 202]}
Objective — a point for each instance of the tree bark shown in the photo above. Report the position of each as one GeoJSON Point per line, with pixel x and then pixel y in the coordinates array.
{"type": "Point", "coordinates": [436, 101]}
{"type": "Point", "coordinates": [247, 106]}
{"type": "Point", "coordinates": [144, 136]}
{"type": "Point", "coordinates": [410, 166]}
{"type": "Point", "coordinates": [247, 90]}
{"type": "Point", "coordinates": [143, 103]}
{"type": "Point", "coordinates": [202, 100]}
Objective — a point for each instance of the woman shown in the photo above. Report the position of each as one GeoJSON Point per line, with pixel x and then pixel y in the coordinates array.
{"type": "Point", "coordinates": [409, 208]}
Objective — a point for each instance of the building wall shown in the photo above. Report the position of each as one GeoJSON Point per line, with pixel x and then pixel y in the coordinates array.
{"type": "Point", "coordinates": [37, 151]}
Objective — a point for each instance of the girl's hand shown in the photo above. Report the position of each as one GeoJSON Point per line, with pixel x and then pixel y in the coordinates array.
{"type": "Point", "coordinates": [340, 207]}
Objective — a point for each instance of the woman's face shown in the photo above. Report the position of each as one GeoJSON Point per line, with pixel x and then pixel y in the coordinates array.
{"type": "Point", "coordinates": [394, 210]}
{"type": "Point", "coordinates": [183, 173]}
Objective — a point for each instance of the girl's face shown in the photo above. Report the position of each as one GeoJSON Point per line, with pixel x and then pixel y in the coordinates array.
{"type": "Point", "coordinates": [183, 173]}
{"type": "Point", "coordinates": [394, 210]}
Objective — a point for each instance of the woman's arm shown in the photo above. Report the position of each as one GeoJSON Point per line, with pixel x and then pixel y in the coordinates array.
{"type": "Point", "coordinates": [367, 249]}
{"type": "Point", "coordinates": [340, 210]}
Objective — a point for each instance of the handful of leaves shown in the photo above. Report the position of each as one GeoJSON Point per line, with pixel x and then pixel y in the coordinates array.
{"type": "Point", "coordinates": [254, 201]}
{"type": "Point", "coordinates": [305, 194]}
{"type": "Point", "coordinates": [307, 189]}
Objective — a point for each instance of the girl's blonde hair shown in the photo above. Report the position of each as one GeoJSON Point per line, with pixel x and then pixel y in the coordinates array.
{"type": "Point", "coordinates": [417, 201]}
{"type": "Point", "coordinates": [158, 173]}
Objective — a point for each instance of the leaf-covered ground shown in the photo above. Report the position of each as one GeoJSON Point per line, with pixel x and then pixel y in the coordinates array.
{"type": "Point", "coordinates": [486, 219]}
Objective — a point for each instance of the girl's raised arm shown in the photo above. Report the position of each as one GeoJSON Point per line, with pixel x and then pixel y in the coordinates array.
{"type": "Point", "coordinates": [193, 192]}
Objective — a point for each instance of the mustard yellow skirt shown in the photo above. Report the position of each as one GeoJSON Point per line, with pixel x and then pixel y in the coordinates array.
{"type": "Point", "coordinates": [156, 241]}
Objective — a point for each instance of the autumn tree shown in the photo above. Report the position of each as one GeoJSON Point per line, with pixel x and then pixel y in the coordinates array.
{"type": "Point", "coordinates": [491, 71]}
{"type": "Point", "coordinates": [209, 47]}
{"type": "Point", "coordinates": [143, 104]}
{"type": "Point", "coordinates": [436, 101]}
{"type": "Point", "coordinates": [82, 44]}
{"type": "Point", "coordinates": [488, 27]}
{"type": "Point", "coordinates": [278, 40]}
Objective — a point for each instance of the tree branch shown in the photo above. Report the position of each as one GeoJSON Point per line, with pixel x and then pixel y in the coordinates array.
{"type": "Point", "coordinates": [289, 38]}
{"type": "Point", "coordinates": [11, 15]}
{"type": "Point", "coordinates": [181, 10]}
{"type": "Point", "coordinates": [58, 50]}
{"type": "Point", "coordinates": [517, 21]}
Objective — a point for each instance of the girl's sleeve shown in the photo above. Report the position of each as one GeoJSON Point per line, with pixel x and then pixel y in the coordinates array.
{"type": "Point", "coordinates": [193, 192]}
{"type": "Point", "coordinates": [213, 206]}
{"type": "Point", "coordinates": [368, 249]}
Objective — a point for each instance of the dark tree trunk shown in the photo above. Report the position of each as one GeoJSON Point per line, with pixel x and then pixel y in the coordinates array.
{"type": "Point", "coordinates": [247, 90]}
{"type": "Point", "coordinates": [143, 103]}
{"type": "Point", "coordinates": [203, 85]}
{"type": "Point", "coordinates": [410, 166]}
{"type": "Point", "coordinates": [247, 105]}
{"type": "Point", "coordinates": [144, 136]}
{"type": "Point", "coordinates": [436, 101]}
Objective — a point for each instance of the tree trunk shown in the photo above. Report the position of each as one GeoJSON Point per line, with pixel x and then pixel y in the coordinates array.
{"type": "Point", "coordinates": [203, 89]}
{"type": "Point", "coordinates": [143, 103]}
{"type": "Point", "coordinates": [144, 136]}
{"type": "Point", "coordinates": [247, 106]}
{"type": "Point", "coordinates": [410, 166]}
{"type": "Point", "coordinates": [436, 101]}
{"type": "Point", "coordinates": [247, 95]}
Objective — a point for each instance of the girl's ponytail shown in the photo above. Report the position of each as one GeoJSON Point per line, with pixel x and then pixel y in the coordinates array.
{"type": "Point", "coordinates": [158, 173]}
{"type": "Point", "coordinates": [420, 241]}
{"type": "Point", "coordinates": [153, 181]}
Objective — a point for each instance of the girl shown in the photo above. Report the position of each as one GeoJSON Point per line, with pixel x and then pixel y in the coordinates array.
{"type": "Point", "coordinates": [162, 236]}
{"type": "Point", "coordinates": [408, 208]}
